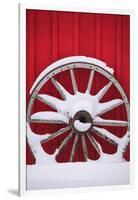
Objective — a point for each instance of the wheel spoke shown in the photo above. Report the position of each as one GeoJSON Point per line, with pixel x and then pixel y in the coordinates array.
{"type": "Point", "coordinates": [98, 121]}
{"type": "Point", "coordinates": [102, 92]}
{"type": "Point", "coordinates": [63, 92]}
{"type": "Point", "coordinates": [90, 81]}
{"type": "Point", "coordinates": [107, 106]}
{"type": "Point", "coordinates": [94, 143]}
{"type": "Point", "coordinates": [73, 148]}
{"type": "Point", "coordinates": [53, 102]}
{"type": "Point", "coordinates": [64, 142]}
{"type": "Point", "coordinates": [49, 117]}
{"type": "Point", "coordinates": [74, 84]}
{"type": "Point", "coordinates": [106, 135]}
{"type": "Point", "coordinates": [57, 133]}
{"type": "Point", "coordinates": [85, 152]}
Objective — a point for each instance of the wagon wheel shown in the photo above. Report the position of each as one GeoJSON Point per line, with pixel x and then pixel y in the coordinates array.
{"type": "Point", "coordinates": [83, 118]}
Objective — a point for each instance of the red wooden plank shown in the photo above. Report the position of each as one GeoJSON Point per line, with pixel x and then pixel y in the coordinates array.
{"type": "Point", "coordinates": [98, 36]}
{"type": "Point", "coordinates": [126, 54]}
{"type": "Point", "coordinates": [86, 47]}
{"type": "Point", "coordinates": [118, 70]}
{"type": "Point", "coordinates": [30, 50]}
{"type": "Point", "coordinates": [76, 34]}
{"type": "Point", "coordinates": [30, 67]}
{"type": "Point", "coordinates": [108, 55]}
{"type": "Point", "coordinates": [126, 63]}
{"type": "Point", "coordinates": [65, 34]}
{"type": "Point", "coordinates": [54, 33]}
{"type": "Point", "coordinates": [87, 34]}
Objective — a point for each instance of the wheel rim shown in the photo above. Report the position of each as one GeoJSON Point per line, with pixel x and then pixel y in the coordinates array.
{"type": "Point", "coordinates": [75, 124]}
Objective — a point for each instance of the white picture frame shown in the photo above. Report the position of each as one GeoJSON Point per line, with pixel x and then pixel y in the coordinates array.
{"type": "Point", "coordinates": [22, 94]}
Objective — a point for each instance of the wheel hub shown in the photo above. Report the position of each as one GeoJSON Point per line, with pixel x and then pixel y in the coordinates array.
{"type": "Point", "coordinates": [81, 122]}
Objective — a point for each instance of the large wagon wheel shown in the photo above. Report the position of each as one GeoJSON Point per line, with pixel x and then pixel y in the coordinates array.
{"type": "Point", "coordinates": [83, 118]}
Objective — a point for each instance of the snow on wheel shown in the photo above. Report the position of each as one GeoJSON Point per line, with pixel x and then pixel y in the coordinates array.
{"type": "Point", "coordinates": [81, 113]}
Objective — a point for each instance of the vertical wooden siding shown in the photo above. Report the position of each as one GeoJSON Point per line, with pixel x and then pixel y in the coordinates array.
{"type": "Point", "coordinates": [52, 35]}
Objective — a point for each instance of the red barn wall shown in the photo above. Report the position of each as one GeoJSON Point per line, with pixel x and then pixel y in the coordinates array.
{"type": "Point", "coordinates": [51, 35]}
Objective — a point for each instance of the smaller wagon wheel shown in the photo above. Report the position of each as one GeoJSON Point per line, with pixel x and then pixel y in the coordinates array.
{"type": "Point", "coordinates": [84, 115]}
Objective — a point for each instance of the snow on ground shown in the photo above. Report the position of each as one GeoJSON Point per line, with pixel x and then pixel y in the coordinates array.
{"type": "Point", "coordinates": [63, 175]}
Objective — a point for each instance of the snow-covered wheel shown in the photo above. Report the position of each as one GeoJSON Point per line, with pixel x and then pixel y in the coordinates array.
{"type": "Point", "coordinates": [81, 111]}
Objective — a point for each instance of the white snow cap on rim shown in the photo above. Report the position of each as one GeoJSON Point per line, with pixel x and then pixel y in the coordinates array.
{"type": "Point", "coordinates": [68, 60]}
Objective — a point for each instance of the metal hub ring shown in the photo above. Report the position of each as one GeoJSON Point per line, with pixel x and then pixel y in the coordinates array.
{"type": "Point", "coordinates": [81, 118]}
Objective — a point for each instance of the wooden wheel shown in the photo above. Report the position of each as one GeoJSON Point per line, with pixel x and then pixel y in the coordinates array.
{"type": "Point", "coordinates": [81, 111]}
